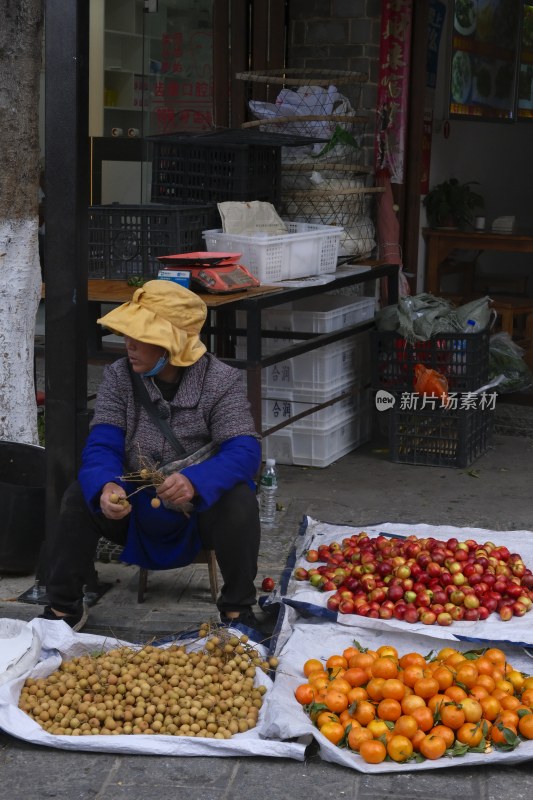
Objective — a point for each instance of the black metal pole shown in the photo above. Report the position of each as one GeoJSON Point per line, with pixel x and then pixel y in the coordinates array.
{"type": "Point", "coordinates": [67, 200]}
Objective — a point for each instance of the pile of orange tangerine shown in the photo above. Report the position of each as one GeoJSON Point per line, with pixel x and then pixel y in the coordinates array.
{"type": "Point", "coordinates": [411, 707]}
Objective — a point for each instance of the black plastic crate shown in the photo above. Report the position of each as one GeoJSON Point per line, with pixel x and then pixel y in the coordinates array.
{"type": "Point", "coordinates": [126, 241]}
{"type": "Point", "coordinates": [463, 358]}
{"type": "Point", "coordinates": [439, 437]}
{"type": "Point", "coordinates": [211, 169]}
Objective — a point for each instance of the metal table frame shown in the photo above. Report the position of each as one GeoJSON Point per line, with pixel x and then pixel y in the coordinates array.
{"type": "Point", "coordinates": [224, 329]}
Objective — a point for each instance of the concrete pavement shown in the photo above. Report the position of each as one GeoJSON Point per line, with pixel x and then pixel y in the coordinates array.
{"type": "Point", "coordinates": [362, 488]}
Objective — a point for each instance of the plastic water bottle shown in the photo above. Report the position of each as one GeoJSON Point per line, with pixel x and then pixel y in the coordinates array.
{"type": "Point", "coordinates": [268, 490]}
{"type": "Point", "coordinates": [472, 326]}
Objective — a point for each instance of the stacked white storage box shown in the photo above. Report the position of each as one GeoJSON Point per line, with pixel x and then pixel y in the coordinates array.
{"type": "Point", "coordinates": [299, 383]}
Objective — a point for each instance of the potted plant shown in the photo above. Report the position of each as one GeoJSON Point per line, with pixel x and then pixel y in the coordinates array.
{"type": "Point", "coordinates": [451, 204]}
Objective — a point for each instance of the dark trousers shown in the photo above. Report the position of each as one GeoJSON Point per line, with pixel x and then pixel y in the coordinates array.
{"type": "Point", "coordinates": [231, 526]}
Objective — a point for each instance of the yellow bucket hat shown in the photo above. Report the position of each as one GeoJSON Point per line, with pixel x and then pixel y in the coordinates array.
{"type": "Point", "coordinates": [166, 314]}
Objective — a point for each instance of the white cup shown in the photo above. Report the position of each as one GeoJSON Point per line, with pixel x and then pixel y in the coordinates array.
{"type": "Point", "coordinates": [479, 223]}
{"type": "Point", "coordinates": [116, 131]}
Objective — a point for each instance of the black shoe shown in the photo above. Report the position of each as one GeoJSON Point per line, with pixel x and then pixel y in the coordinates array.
{"type": "Point", "coordinates": [76, 621]}
{"type": "Point", "coordinates": [249, 620]}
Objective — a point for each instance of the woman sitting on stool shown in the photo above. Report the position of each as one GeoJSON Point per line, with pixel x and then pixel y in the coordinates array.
{"type": "Point", "coordinates": [212, 499]}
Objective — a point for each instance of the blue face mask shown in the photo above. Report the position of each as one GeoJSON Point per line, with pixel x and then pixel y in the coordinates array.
{"type": "Point", "coordinates": [158, 366]}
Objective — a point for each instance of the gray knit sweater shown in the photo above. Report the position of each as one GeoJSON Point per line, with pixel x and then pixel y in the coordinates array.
{"type": "Point", "coordinates": [210, 405]}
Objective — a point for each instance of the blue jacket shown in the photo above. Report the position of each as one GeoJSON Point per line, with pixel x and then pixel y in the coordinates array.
{"type": "Point", "coordinates": [160, 538]}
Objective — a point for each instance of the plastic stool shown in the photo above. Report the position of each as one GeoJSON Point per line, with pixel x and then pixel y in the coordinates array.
{"type": "Point", "coordinates": [204, 557]}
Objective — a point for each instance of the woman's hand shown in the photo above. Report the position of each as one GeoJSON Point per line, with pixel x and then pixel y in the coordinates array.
{"type": "Point", "coordinates": [176, 489]}
{"type": "Point", "coordinates": [113, 501]}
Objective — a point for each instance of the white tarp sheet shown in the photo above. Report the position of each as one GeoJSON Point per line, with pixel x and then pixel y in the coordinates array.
{"type": "Point", "coordinates": [317, 638]}
{"type": "Point", "coordinates": [306, 600]}
{"type": "Point", "coordinates": [59, 643]}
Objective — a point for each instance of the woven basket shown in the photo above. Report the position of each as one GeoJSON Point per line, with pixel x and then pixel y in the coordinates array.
{"type": "Point", "coordinates": [350, 209]}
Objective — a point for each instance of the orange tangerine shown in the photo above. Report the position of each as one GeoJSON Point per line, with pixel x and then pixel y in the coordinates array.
{"type": "Point", "coordinates": [487, 681]}
{"type": "Point", "coordinates": [452, 715]}
{"type": "Point", "coordinates": [424, 717]}
{"type": "Point", "coordinates": [326, 716]}
{"type": "Point", "coordinates": [384, 667]}
{"type": "Point", "coordinates": [410, 659]}
{"type": "Point", "coordinates": [437, 700]}
{"type": "Point", "coordinates": [304, 694]}
{"type": "Point", "coordinates": [491, 707]}
{"type": "Point", "coordinates": [510, 702]}
{"type": "Point", "coordinates": [417, 738]}
{"type": "Point", "coordinates": [466, 674]}
{"type": "Point", "coordinates": [362, 660]}
{"type": "Point", "coordinates": [378, 728]}
{"type": "Point", "coordinates": [516, 678]}
{"type": "Point", "coordinates": [426, 687]}
{"type": "Point", "coordinates": [356, 676]}
{"type": "Point", "coordinates": [445, 732]}
{"type": "Point", "coordinates": [350, 652]}
{"type": "Point", "coordinates": [412, 674]}
{"type": "Point", "coordinates": [399, 748]}
{"type": "Point", "coordinates": [444, 677]}
{"type": "Point", "coordinates": [432, 746]}
{"type": "Point", "coordinates": [456, 693]}
{"type": "Point", "coordinates": [340, 684]}
{"type": "Point", "coordinates": [484, 665]}
{"type": "Point", "coordinates": [527, 697]}
{"type": "Point", "coordinates": [374, 689]}
{"type": "Point", "coordinates": [508, 718]}
{"type": "Point", "coordinates": [333, 731]}
{"type": "Point", "coordinates": [389, 709]}
{"type": "Point", "coordinates": [345, 718]}
{"type": "Point", "coordinates": [469, 733]}
{"type": "Point", "coordinates": [472, 708]}
{"type": "Point", "coordinates": [525, 726]}
{"type": "Point", "coordinates": [406, 725]}
{"type": "Point", "coordinates": [445, 653]}
{"type": "Point", "coordinates": [364, 712]}
{"type": "Point", "coordinates": [505, 685]}
{"type": "Point", "coordinates": [455, 659]}
{"type": "Point", "coordinates": [356, 694]}
{"type": "Point", "coordinates": [499, 693]}
{"type": "Point", "coordinates": [387, 650]}
{"type": "Point", "coordinates": [313, 665]}
{"type": "Point", "coordinates": [373, 752]}
{"type": "Point", "coordinates": [336, 701]}
{"type": "Point", "coordinates": [498, 733]}
{"type": "Point", "coordinates": [478, 692]}
{"type": "Point", "coordinates": [357, 735]}
{"type": "Point", "coordinates": [495, 656]}
{"type": "Point", "coordinates": [393, 688]}
{"type": "Point", "coordinates": [335, 662]}
{"type": "Point", "coordinates": [319, 683]}
{"type": "Point", "coordinates": [412, 701]}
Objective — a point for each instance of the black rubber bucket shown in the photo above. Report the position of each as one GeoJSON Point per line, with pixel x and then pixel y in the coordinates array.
{"type": "Point", "coordinates": [22, 506]}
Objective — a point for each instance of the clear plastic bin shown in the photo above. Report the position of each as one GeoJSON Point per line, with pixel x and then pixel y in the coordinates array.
{"type": "Point", "coordinates": [318, 448]}
{"type": "Point", "coordinates": [324, 313]}
{"type": "Point", "coordinates": [306, 249]}
{"type": "Point", "coordinates": [326, 368]}
{"type": "Point", "coordinates": [276, 410]}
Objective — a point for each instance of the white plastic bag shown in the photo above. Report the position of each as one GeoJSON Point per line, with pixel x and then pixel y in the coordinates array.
{"type": "Point", "coordinates": [305, 101]}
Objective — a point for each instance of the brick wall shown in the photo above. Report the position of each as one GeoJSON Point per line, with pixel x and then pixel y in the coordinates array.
{"type": "Point", "coordinates": [343, 35]}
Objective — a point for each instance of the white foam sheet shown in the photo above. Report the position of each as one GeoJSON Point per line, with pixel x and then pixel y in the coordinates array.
{"type": "Point", "coordinates": [316, 638]}
{"type": "Point", "coordinates": [308, 601]}
{"type": "Point", "coordinates": [59, 643]}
